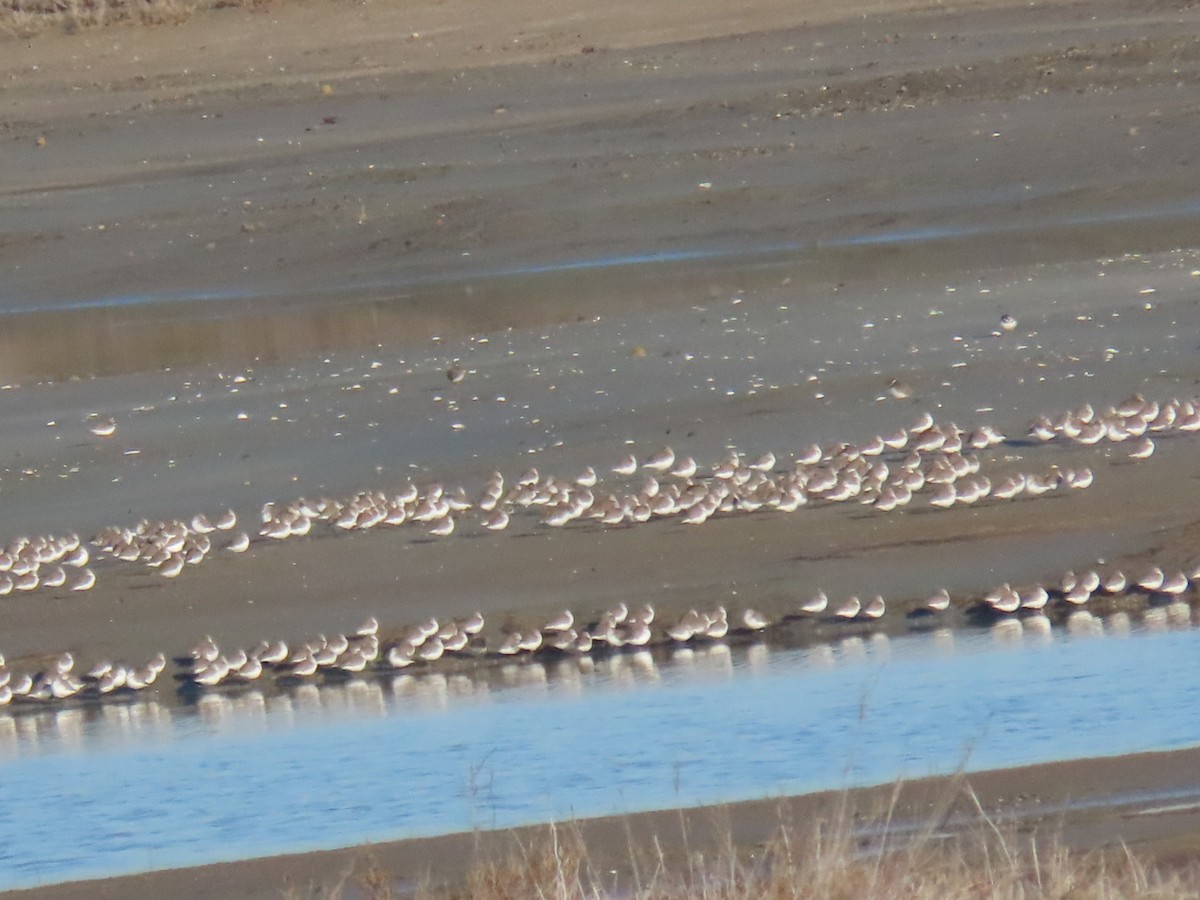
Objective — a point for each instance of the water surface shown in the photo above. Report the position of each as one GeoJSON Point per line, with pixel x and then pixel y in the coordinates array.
{"type": "Point", "coordinates": [101, 791]}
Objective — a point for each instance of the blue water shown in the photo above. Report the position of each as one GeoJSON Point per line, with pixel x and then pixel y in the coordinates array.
{"type": "Point", "coordinates": [95, 792]}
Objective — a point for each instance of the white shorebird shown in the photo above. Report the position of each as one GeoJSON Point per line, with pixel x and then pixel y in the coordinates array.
{"type": "Point", "coordinates": [497, 520]}
{"type": "Point", "coordinates": [1142, 449]}
{"type": "Point", "coordinates": [718, 625]}
{"type": "Point", "coordinates": [1115, 583]}
{"type": "Point", "coordinates": [511, 645]}
{"type": "Point", "coordinates": [1078, 594]}
{"type": "Point", "coordinates": [561, 622]}
{"type": "Point", "coordinates": [816, 604]}
{"type": "Point", "coordinates": [274, 654]}
{"type": "Point", "coordinates": [104, 428]}
{"type": "Point", "coordinates": [1174, 585]}
{"type": "Point", "coordinates": [443, 526]}
{"type": "Point", "coordinates": [239, 543]}
{"type": "Point", "coordinates": [1035, 598]}
{"type": "Point", "coordinates": [875, 607]}
{"type": "Point", "coordinates": [660, 461]}
{"type": "Point", "coordinates": [849, 609]}
{"type": "Point", "coordinates": [755, 620]}
{"type": "Point", "coordinates": [473, 624]}
{"type": "Point", "coordinates": [1152, 580]}
{"type": "Point", "coordinates": [939, 602]}
{"type": "Point", "coordinates": [1003, 599]}
{"type": "Point", "coordinates": [456, 642]}
{"type": "Point", "coordinates": [626, 466]}
{"type": "Point", "coordinates": [681, 631]}
{"type": "Point", "coordinates": [85, 582]}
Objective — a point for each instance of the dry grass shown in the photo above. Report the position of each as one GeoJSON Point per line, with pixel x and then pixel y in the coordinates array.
{"type": "Point", "coordinates": [26, 18]}
{"type": "Point", "coordinates": [839, 858]}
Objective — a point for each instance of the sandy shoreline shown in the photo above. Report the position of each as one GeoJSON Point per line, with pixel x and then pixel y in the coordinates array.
{"type": "Point", "coordinates": [1149, 802]}
{"type": "Point", "coordinates": [259, 241]}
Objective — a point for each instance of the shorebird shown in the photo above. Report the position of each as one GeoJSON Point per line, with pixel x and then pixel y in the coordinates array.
{"type": "Point", "coordinates": [249, 670]}
{"type": "Point", "coordinates": [643, 614]}
{"type": "Point", "coordinates": [939, 602]}
{"type": "Point", "coordinates": [1174, 585]}
{"type": "Point", "coordinates": [212, 674]}
{"type": "Point", "coordinates": [140, 679]}
{"type": "Point", "coordinates": [660, 461]}
{"type": "Point", "coordinates": [681, 631]}
{"type": "Point", "coordinates": [560, 640]}
{"type": "Point", "coordinates": [104, 428]}
{"type": "Point", "coordinates": [1115, 583]}
{"type": "Point", "coordinates": [810, 455]}
{"type": "Point", "coordinates": [875, 607]}
{"type": "Point", "coordinates": [239, 543]}
{"type": "Point", "coordinates": [85, 582]}
{"type": "Point", "coordinates": [456, 642]}
{"type": "Point", "coordinates": [626, 466]}
{"type": "Point", "coordinates": [1143, 449]}
{"type": "Point", "coordinates": [816, 604]}
{"type": "Point", "coordinates": [273, 654]}
{"type": "Point", "coordinates": [511, 645]}
{"type": "Point", "coordinates": [850, 609]}
{"type": "Point", "coordinates": [305, 666]}
{"type": "Point", "coordinates": [1078, 594]}
{"type": "Point", "coordinates": [1035, 598]}
{"type": "Point", "coordinates": [428, 628]}
{"type": "Point", "coordinates": [112, 680]}
{"type": "Point", "coordinates": [561, 622]}
{"type": "Point", "coordinates": [354, 661]}
{"type": "Point", "coordinates": [944, 496]}
{"type": "Point", "coordinates": [684, 469]}
{"type": "Point", "coordinates": [1008, 322]}
{"type": "Point", "coordinates": [530, 642]}
{"type": "Point", "coordinates": [1003, 599]}
{"type": "Point", "coordinates": [497, 520]}
{"type": "Point", "coordinates": [1152, 580]}
{"type": "Point", "coordinates": [473, 624]}
{"type": "Point", "coordinates": [765, 463]}
{"type": "Point", "coordinates": [754, 620]}
{"type": "Point", "coordinates": [173, 566]}
{"type": "Point", "coordinates": [583, 643]}
{"type": "Point", "coordinates": [637, 634]}
{"type": "Point", "coordinates": [400, 656]}
{"type": "Point", "coordinates": [443, 526]}
{"type": "Point", "coordinates": [369, 627]}
{"type": "Point", "coordinates": [718, 625]}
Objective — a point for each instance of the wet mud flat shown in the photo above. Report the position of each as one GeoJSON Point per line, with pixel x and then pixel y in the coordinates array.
{"type": "Point", "coordinates": [755, 235]}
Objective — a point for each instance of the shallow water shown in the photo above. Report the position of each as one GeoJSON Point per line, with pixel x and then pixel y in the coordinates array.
{"type": "Point", "coordinates": [90, 792]}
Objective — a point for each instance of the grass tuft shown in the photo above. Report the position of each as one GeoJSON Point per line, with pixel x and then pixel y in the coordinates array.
{"type": "Point", "coordinates": [841, 856]}
{"type": "Point", "coordinates": [28, 18]}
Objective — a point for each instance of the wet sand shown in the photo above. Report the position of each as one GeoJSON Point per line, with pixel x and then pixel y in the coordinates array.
{"type": "Point", "coordinates": [258, 241]}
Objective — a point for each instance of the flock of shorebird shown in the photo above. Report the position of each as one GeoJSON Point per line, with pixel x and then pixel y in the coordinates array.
{"type": "Point", "coordinates": [368, 648]}
{"type": "Point", "coordinates": [930, 463]}
{"type": "Point", "coordinates": [936, 464]}
{"type": "Point", "coordinates": [59, 680]}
